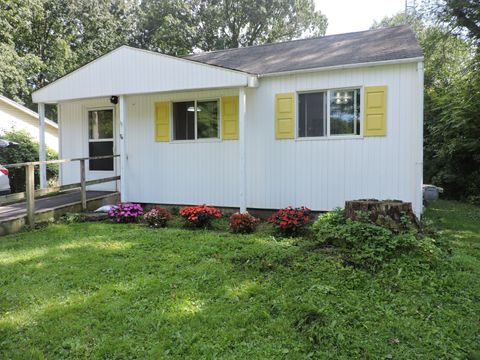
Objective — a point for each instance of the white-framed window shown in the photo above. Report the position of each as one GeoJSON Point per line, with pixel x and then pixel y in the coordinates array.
{"type": "Point", "coordinates": [329, 113]}
{"type": "Point", "coordinates": [100, 138]}
{"type": "Point", "coordinates": [197, 119]}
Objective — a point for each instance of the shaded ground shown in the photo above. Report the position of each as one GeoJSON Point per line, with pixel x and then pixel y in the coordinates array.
{"type": "Point", "coordinates": [99, 290]}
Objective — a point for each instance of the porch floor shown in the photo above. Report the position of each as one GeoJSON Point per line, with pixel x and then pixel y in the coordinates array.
{"type": "Point", "coordinates": [54, 202]}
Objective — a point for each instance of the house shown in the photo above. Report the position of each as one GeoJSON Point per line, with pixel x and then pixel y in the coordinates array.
{"type": "Point", "coordinates": [309, 122]}
{"type": "Point", "coordinates": [18, 117]}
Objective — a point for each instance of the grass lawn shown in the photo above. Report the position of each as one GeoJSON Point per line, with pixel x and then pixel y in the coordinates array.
{"type": "Point", "coordinates": [108, 291]}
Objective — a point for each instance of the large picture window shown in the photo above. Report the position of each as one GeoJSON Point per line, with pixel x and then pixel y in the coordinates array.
{"type": "Point", "coordinates": [195, 120]}
{"type": "Point", "coordinates": [100, 139]}
{"type": "Point", "coordinates": [329, 113]}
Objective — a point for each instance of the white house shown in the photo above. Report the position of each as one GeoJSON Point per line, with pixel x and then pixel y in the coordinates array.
{"type": "Point", "coordinates": [18, 117]}
{"type": "Point", "coordinates": [309, 122]}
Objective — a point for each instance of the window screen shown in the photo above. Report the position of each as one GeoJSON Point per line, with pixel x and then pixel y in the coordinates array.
{"type": "Point", "coordinates": [311, 113]}
{"type": "Point", "coordinates": [100, 139]}
{"type": "Point", "coordinates": [101, 148]}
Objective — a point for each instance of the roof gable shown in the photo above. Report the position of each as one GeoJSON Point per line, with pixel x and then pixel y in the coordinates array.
{"type": "Point", "coordinates": [387, 44]}
{"type": "Point", "coordinates": [128, 70]}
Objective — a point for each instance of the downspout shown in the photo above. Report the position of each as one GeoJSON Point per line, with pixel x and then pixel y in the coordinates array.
{"type": "Point", "coordinates": [419, 146]}
{"type": "Point", "coordinates": [242, 149]}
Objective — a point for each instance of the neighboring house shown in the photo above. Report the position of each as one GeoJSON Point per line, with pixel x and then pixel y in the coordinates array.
{"type": "Point", "coordinates": [309, 122]}
{"type": "Point", "coordinates": [18, 117]}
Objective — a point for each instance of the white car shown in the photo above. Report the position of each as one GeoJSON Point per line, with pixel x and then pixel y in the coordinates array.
{"type": "Point", "coordinates": [4, 181]}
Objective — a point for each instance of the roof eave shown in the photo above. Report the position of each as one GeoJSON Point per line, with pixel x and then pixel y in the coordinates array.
{"type": "Point", "coordinates": [344, 66]}
{"type": "Point", "coordinates": [26, 110]}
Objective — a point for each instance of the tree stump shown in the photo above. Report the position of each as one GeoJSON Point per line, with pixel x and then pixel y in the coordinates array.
{"type": "Point", "coordinates": [381, 211]}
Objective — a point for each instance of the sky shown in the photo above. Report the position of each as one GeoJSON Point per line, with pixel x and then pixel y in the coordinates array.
{"type": "Point", "coordinates": [356, 15]}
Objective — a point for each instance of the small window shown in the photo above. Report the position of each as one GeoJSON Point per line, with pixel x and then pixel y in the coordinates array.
{"type": "Point", "coordinates": [345, 112]}
{"type": "Point", "coordinates": [100, 139]}
{"type": "Point", "coordinates": [195, 120]}
{"type": "Point", "coordinates": [341, 117]}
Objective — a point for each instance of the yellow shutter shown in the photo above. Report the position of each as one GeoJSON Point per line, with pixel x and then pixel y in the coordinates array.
{"type": "Point", "coordinates": [284, 116]}
{"type": "Point", "coordinates": [375, 111]}
{"type": "Point", "coordinates": [230, 118]}
{"type": "Point", "coordinates": [162, 121]}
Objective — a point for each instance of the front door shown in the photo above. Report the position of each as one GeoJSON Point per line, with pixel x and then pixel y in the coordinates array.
{"type": "Point", "coordinates": [101, 135]}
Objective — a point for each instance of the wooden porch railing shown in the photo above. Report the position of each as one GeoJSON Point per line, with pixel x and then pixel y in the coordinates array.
{"type": "Point", "coordinates": [30, 192]}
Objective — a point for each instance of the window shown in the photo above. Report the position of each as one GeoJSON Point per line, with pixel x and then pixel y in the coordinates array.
{"type": "Point", "coordinates": [345, 112]}
{"type": "Point", "coordinates": [340, 117]}
{"type": "Point", "coordinates": [312, 115]}
{"type": "Point", "coordinates": [100, 139]}
{"type": "Point", "coordinates": [195, 120]}
{"type": "Point", "coordinates": [184, 120]}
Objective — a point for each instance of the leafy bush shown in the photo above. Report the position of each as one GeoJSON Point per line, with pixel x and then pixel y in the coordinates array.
{"type": "Point", "coordinates": [126, 212]}
{"type": "Point", "coordinates": [364, 244]}
{"type": "Point", "coordinates": [157, 217]}
{"type": "Point", "coordinates": [243, 223]}
{"type": "Point", "coordinates": [200, 216]}
{"type": "Point", "coordinates": [290, 220]}
{"type": "Point", "coordinates": [26, 151]}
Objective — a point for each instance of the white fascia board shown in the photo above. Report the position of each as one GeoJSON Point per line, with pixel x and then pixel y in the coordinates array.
{"type": "Point", "coordinates": [346, 66]}
{"type": "Point", "coordinates": [127, 71]}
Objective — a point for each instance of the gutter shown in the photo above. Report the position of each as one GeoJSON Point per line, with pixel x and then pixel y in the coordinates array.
{"type": "Point", "coordinates": [346, 66]}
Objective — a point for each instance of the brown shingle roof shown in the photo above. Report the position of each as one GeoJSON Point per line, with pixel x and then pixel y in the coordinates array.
{"type": "Point", "coordinates": [393, 43]}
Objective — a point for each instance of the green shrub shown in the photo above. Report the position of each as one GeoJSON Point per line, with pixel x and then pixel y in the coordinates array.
{"type": "Point", "coordinates": [26, 151]}
{"type": "Point", "coordinates": [368, 245]}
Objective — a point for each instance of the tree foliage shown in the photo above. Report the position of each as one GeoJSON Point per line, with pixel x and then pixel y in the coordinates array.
{"type": "Point", "coordinates": [230, 24]}
{"type": "Point", "coordinates": [452, 90]}
{"type": "Point", "coordinates": [25, 151]}
{"type": "Point", "coordinates": [42, 40]}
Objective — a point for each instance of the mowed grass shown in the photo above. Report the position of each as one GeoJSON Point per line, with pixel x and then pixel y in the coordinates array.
{"type": "Point", "coordinates": [109, 291]}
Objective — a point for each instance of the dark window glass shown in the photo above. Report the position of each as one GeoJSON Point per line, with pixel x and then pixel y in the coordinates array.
{"type": "Point", "coordinates": [184, 120]}
{"type": "Point", "coordinates": [345, 112]}
{"type": "Point", "coordinates": [100, 148]}
{"type": "Point", "coordinates": [311, 113]}
{"type": "Point", "coordinates": [207, 119]}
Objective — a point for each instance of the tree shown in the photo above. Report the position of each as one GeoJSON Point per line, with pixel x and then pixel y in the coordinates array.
{"type": "Point", "coordinates": [451, 123]}
{"type": "Point", "coordinates": [177, 27]}
{"type": "Point", "coordinates": [25, 151]}
{"type": "Point", "coordinates": [167, 26]}
{"type": "Point", "coordinates": [463, 16]}
{"type": "Point", "coordinates": [231, 24]}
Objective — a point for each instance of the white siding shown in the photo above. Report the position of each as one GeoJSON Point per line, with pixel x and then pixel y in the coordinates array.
{"type": "Point", "coordinates": [73, 126]}
{"type": "Point", "coordinates": [12, 118]}
{"type": "Point", "coordinates": [179, 172]}
{"type": "Point", "coordinates": [323, 173]}
{"type": "Point", "coordinates": [319, 173]}
{"type": "Point", "coordinates": [131, 71]}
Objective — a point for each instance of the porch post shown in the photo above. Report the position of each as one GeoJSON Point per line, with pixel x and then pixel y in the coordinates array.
{"type": "Point", "coordinates": [242, 104]}
{"type": "Point", "coordinates": [42, 149]}
{"type": "Point", "coordinates": [123, 160]}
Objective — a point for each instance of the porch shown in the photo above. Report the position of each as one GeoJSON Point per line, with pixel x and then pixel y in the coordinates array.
{"type": "Point", "coordinates": [49, 203]}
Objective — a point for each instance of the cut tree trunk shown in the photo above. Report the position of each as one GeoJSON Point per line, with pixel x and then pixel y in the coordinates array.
{"type": "Point", "coordinates": [381, 210]}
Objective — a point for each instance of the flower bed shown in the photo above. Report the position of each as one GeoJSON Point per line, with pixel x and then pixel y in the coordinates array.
{"type": "Point", "coordinates": [243, 223]}
{"type": "Point", "coordinates": [290, 220]}
{"type": "Point", "coordinates": [157, 217]}
{"type": "Point", "coordinates": [200, 216]}
{"type": "Point", "coordinates": [126, 212]}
